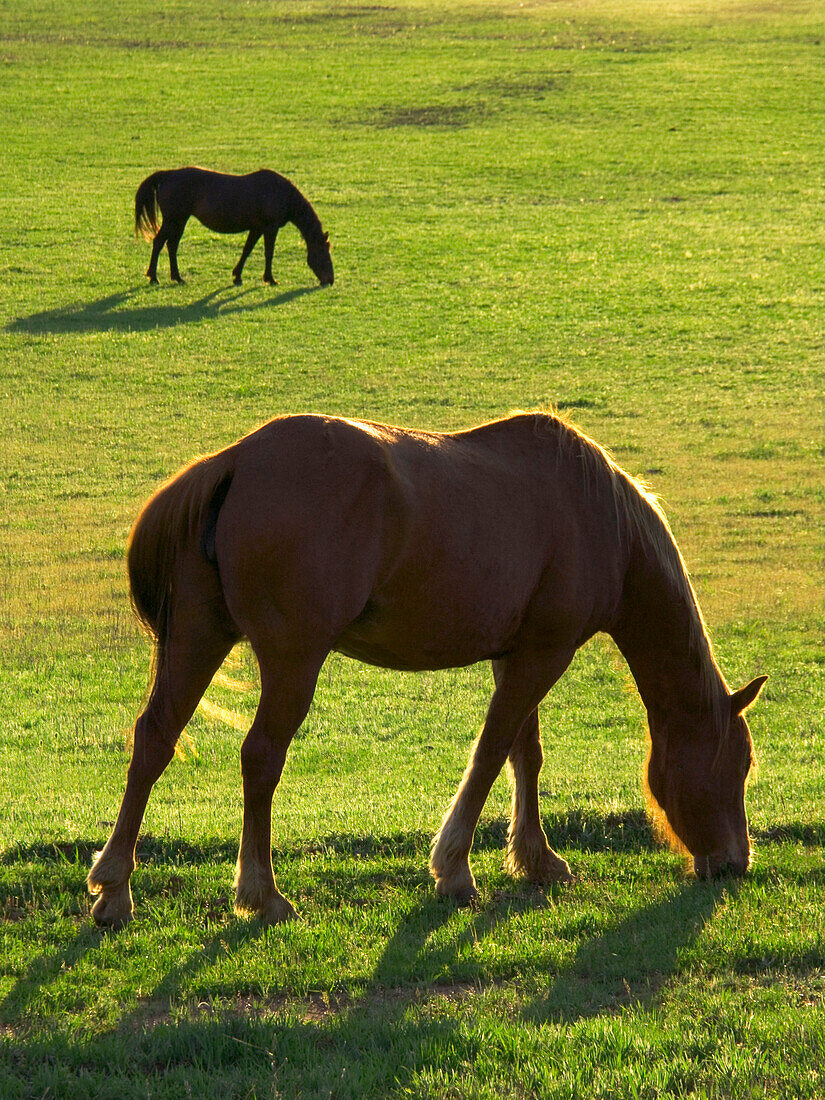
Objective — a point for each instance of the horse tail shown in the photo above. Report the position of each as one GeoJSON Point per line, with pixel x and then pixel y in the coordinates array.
{"type": "Point", "coordinates": [181, 515]}
{"type": "Point", "coordinates": [146, 207]}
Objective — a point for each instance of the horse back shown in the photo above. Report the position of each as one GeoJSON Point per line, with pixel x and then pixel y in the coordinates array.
{"type": "Point", "coordinates": [226, 203]}
{"type": "Point", "coordinates": [408, 549]}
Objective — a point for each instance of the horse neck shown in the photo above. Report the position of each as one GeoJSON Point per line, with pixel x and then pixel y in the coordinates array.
{"type": "Point", "coordinates": [662, 637]}
{"type": "Point", "coordinates": [305, 219]}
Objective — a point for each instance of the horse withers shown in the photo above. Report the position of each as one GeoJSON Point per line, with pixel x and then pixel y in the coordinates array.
{"type": "Point", "coordinates": [259, 204]}
{"type": "Point", "coordinates": [513, 542]}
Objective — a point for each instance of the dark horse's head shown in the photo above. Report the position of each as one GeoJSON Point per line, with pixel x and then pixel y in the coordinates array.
{"type": "Point", "coordinates": [698, 776]}
{"type": "Point", "coordinates": [320, 261]}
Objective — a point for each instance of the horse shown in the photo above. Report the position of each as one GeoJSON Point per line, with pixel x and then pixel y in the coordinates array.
{"type": "Point", "coordinates": [514, 542]}
{"type": "Point", "coordinates": [260, 203]}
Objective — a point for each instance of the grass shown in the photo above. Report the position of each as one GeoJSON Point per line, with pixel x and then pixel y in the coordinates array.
{"type": "Point", "coordinates": [609, 208]}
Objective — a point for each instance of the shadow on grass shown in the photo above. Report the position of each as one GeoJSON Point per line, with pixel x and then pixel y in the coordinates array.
{"type": "Point", "coordinates": [630, 831]}
{"type": "Point", "coordinates": [380, 1040]}
{"type": "Point", "coordinates": [376, 1043]}
{"type": "Point", "coordinates": [138, 310]}
{"type": "Point", "coordinates": [622, 832]}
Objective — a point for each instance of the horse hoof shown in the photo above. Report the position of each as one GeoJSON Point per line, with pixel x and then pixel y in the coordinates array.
{"type": "Point", "coordinates": [152, 278]}
{"type": "Point", "coordinates": [461, 895]}
{"type": "Point", "coordinates": [237, 280]}
{"type": "Point", "coordinates": [108, 914]}
{"type": "Point", "coordinates": [271, 282]}
{"type": "Point", "coordinates": [277, 911]}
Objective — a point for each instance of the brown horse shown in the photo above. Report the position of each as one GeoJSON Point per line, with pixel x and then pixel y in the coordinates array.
{"type": "Point", "coordinates": [260, 203]}
{"type": "Point", "coordinates": [514, 541]}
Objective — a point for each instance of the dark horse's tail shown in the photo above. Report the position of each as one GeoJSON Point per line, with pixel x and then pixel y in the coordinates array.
{"type": "Point", "coordinates": [180, 516]}
{"type": "Point", "coordinates": [146, 207]}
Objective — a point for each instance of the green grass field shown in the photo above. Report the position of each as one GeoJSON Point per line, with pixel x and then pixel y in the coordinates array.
{"type": "Point", "coordinates": [612, 208]}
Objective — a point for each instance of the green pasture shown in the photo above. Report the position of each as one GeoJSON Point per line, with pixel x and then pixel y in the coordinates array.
{"type": "Point", "coordinates": [612, 208]}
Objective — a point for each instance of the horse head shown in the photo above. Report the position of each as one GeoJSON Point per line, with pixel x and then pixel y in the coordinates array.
{"type": "Point", "coordinates": [320, 261]}
{"type": "Point", "coordinates": [697, 775]}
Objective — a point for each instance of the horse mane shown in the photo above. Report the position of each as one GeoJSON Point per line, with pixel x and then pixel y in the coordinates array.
{"type": "Point", "coordinates": [306, 220]}
{"type": "Point", "coordinates": [641, 522]}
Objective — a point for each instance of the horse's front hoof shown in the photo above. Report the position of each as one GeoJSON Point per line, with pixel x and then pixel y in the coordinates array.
{"type": "Point", "coordinates": [152, 278]}
{"type": "Point", "coordinates": [551, 869]}
{"type": "Point", "coordinates": [277, 911]}
{"type": "Point", "coordinates": [270, 281]}
{"type": "Point", "coordinates": [111, 913]}
{"type": "Point", "coordinates": [236, 279]}
{"type": "Point", "coordinates": [462, 895]}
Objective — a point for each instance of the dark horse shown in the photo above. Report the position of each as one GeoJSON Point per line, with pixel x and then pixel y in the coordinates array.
{"type": "Point", "coordinates": [260, 203]}
{"type": "Point", "coordinates": [514, 541]}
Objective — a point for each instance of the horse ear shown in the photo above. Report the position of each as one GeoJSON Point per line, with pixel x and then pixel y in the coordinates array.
{"type": "Point", "coordinates": [742, 699]}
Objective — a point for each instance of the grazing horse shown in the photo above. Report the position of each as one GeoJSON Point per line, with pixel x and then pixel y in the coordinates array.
{"type": "Point", "coordinates": [514, 542]}
{"type": "Point", "coordinates": [260, 203]}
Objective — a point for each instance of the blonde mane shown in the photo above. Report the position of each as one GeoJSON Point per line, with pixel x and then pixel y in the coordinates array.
{"type": "Point", "coordinates": [641, 521]}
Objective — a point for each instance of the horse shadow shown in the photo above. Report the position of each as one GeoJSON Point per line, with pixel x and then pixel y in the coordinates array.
{"type": "Point", "coordinates": [336, 1043]}
{"type": "Point", "coordinates": [129, 311]}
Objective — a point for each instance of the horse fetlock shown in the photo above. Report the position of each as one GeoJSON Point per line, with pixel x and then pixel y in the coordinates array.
{"type": "Point", "coordinates": [110, 872]}
{"type": "Point", "coordinates": [536, 861]}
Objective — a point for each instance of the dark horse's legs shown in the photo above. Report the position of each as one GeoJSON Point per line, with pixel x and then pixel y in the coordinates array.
{"type": "Point", "coordinates": [157, 245]}
{"type": "Point", "coordinates": [175, 234]}
{"type": "Point", "coordinates": [169, 234]}
{"type": "Point", "coordinates": [522, 681]}
{"type": "Point", "coordinates": [251, 241]}
{"type": "Point", "coordinates": [269, 247]}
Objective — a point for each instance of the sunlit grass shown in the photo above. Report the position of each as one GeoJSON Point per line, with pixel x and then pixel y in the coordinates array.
{"type": "Point", "coordinates": [608, 208]}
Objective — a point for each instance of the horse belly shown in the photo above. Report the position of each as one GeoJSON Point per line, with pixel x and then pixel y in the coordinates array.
{"type": "Point", "coordinates": [222, 217]}
{"type": "Point", "coordinates": [431, 629]}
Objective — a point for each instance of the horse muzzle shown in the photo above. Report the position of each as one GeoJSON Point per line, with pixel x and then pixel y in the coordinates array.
{"type": "Point", "coordinates": [733, 865]}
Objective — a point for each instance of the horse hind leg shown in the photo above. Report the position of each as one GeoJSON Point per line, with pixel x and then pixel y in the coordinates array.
{"type": "Point", "coordinates": [185, 667]}
{"type": "Point", "coordinates": [287, 687]}
{"type": "Point", "coordinates": [157, 244]}
{"type": "Point", "coordinates": [522, 681]}
{"type": "Point", "coordinates": [174, 234]}
{"type": "Point", "coordinates": [528, 852]}
{"type": "Point", "coordinates": [251, 241]}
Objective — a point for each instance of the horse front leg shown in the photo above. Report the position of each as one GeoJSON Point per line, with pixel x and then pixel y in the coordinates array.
{"type": "Point", "coordinates": [269, 247]}
{"type": "Point", "coordinates": [183, 674]}
{"type": "Point", "coordinates": [522, 681]}
{"type": "Point", "coordinates": [286, 694]}
{"type": "Point", "coordinates": [251, 241]}
{"type": "Point", "coordinates": [528, 852]}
